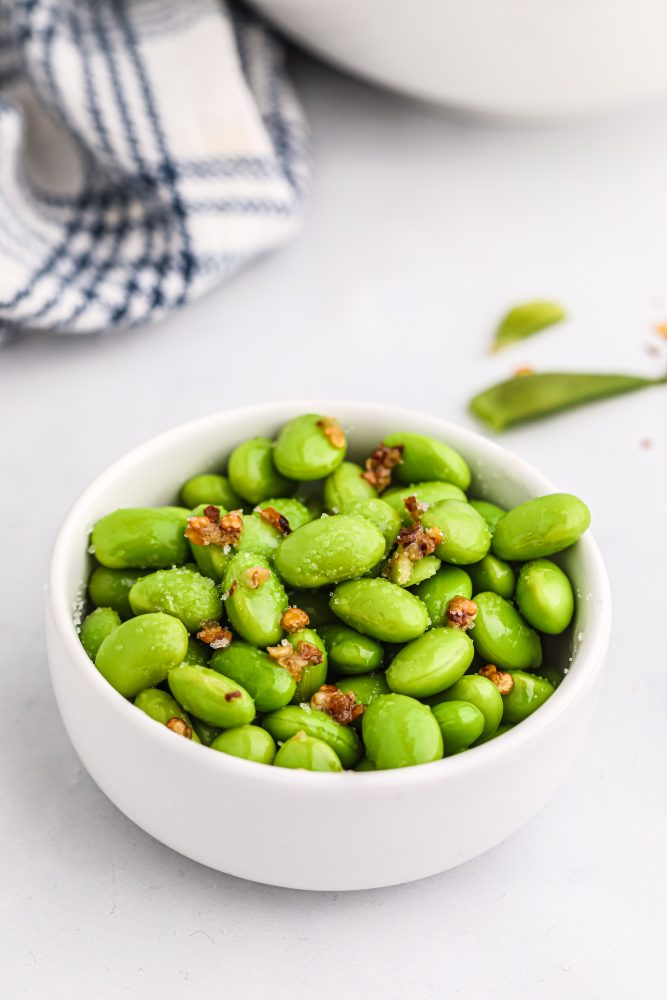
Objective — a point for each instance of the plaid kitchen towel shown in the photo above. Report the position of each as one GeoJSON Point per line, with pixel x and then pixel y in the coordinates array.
{"type": "Point", "coordinates": [148, 148]}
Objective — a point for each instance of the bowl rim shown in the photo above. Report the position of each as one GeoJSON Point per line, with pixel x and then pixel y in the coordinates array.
{"type": "Point", "coordinates": [589, 656]}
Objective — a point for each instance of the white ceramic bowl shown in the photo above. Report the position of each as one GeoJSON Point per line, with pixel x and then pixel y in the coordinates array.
{"type": "Point", "coordinates": [300, 829]}
{"type": "Point", "coordinates": [529, 58]}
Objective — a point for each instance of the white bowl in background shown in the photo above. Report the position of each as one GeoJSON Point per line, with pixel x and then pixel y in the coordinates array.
{"type": "Point", "coordinates": [294, 828]}
{"type": "Point", "coordinates": [526, 58]}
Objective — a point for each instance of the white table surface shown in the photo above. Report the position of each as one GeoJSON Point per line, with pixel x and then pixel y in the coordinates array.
{"type": "Point", "coordinates": [420, 232]}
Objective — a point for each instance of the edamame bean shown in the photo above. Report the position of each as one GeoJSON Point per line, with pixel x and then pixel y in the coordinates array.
{"type": "Point", "coordinates": [364, 687]}
{"type": "Point", "coordinates": [144, 537]}
{"type": "Point", "coordinates": [380, 514]}
{"type": "Point", "coordinates": [491, 512]}
{"type": "Point", "coordinates": [405, 573]}
{"type": "Point", "coordinates": [483, 694]}
{"type": "Point", "coordinates": [110, 588]}
{"type": "Point", "coordinates": [197, 653]}
{"type": "Point", "coordinates": [466, 535]}
{"type": "Point", "coordinates": [253, 474]}
{"type": "Point", "coordinates": [544, 595]}
{"type": "Point", "coordinates": [502, 637]}
{"type": "Point", "coordinates": [437, 592]}
{"type": "Point", "coordinates": [212, 560]}
{"type": "Point", "coordinates": [461, 723]}
{"type": "Point", "coordinates": [181, 592]}
{"type": "Point", "coordinates": [308, 754]}
{"type": "Point", "coordinates": [541, 527]}
{"type": "Point", "coordinates": [248, 742]}
{"type": "Point", "coordinates": [209, 488]}
{"type": "Point", "coordinates": [431, 663]}
{"type": "Point", "coordinates": [334, 548]}
{"type": "Point", "coordinates": [425, 459]}
{"type": "Point", "coordinates": [256, 599]}
{"type": "Point", "coordinates": [310, 447]}
{"type": "Point", "coordinates": [210, 696]}
{"type": "Point", "coordinates": [141, 651]}
{"type": "Point", "coordinates": [344, 486]}
{"type": "Point", "coordinates": [528, 693]}
{"type": "Point", "coordinates": [380, 609]}
{"type": "Point", "coordinates": [314, 671]}
{"type": "Point", "coordinates": [426, 493]}
{"type": "Point", "coordinates": [95, 627]}
{"type": "Point", "coordinates": [399, 731]}
{"type": "Point", "coordinates": [349, 651]}
{"type": "Point", "coordinates": [205, 732]}
{"type": "Point", "coordinates": [491, 573]}
{"type": "Point", "coordinates": [160, 705]}
{"type": "Point", "coordinates": [269, 685]}
{"type": "Point", "coordinates": [286, 722]}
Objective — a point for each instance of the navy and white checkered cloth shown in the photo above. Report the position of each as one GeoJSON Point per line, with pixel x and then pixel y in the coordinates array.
{"type": "Point", "coordinates": [148, 148]}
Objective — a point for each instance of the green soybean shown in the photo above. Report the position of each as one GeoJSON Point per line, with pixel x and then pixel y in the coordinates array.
{"type": "Point", "coordinates": [141, 651]}
{"type": "Point", "coordinates": [431, 663]}
{"type": "Point", "coordinates": [334, 548]}
{"type": "Point", "coordinates": [399, 731]}
{"type": "Point", "coordinates": [346, 485]}
{"type": "Point", "coordinates": [162, 707]}
{"type": "Point", "coordinates": [143, 537]}
{"type": "Point", "coordinates": [492, 573]}
{"type": "Point", "coordinates": [349, 651]}
{"type": "Point", "coordinates": [269, 685]}
{"type": "Point", "coordinates": [204, 731]}
{"type": "Point", "coordinates": [461, 723]}
{"type": "Point", "coordinates": [308, 754]}
{"type": "Point", "coordinates": [541, 527]}
{"type": "Point", "coordinates": [181, 592]}
{"type": "Point", "coordinates": [314, 674]}
{"type": "Point", "coordinates": [437, 592]}
{"type": "Point", "coordinates": [248, 742]}
{"type": "Point", "coordinates": [380, 514]}
{"type": "Point", "coordinates": [425, 459]}
{"type": "Point", "coordinates": [211, 697]}
{"type": "Point", "coordinates": [110, 588]}
{"type": "Point", "coordinates": [502, 637]}
{"type": "Point", "coordinates": [466, 535]}
{"type": "Point", "coordinates": [380, 609]}
{"type": "Point", "coordinates": [197, 652]}
{"type": "Point", "coordinates": [252, 471]}
{"type": "Point", "coordinates": [254, 606]}
{"type": "Point", "coordinates": [365, 687]}
{"type": "Point", "coordinates": [95, 627]}
{"type": "Point", "coordinates": [286, 722]}
{"type": "Point", "coordinates": [491, 512]}
{"type": "Point", "coordinates": [309, 447]}
{"type": "Point", "coordinates": [528, 693]}
{"type": "Point", "coordinates": [426, 493]}
{"type": "Point", "coordinates": [483, 694]}
{"type": "Point", "coordinates": [207, 489]}
{"type": "Point", "coordinates": [544, 596]}
{"type": "Point", "coordinates": [405, 573]}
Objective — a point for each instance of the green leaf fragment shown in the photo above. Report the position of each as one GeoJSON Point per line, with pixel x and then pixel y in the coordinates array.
{"type": "Point", "coordinates": [525, 320]}
{"type": "Point", "coordinates": [530, 397]}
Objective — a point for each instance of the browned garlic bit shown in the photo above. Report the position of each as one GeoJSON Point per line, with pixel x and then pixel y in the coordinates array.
{"type": "Point", "coordinates": [294, 619]}
{"type": "Point", "coordinates": [215, 635]}
{"type": "Point", "coordinates": [295, 660]}
{"type": "Point", "coordinates": [340, 705]}
{"type": "Point", "coordinates": [210, 528]}
{"type": "Point", "coordinates": [332, 431]}
{"type": "Point", "coordinates": [461, 612]}
{"type": "Point", "coordinates": [414, 508]}
{"type": "Point", "coordinates": [380, 464]}
{"type": "Point", "coordinates": [275, 519]}
{"type": "Point", "coordinates": [256, 576]}
{"type": "Point", "coordinates": [180, 727]}
{"type": "Point", "coordinates": [503, 681]}
{"type": "Point", "coordinates": [414, 542]}
{"type": "Point", "coordinates": [233, 695]}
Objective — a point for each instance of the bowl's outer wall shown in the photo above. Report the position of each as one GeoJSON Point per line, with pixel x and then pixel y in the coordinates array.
{"type": "Point", "coordinates": [516, 58]}
{"type": "Point", "coordinates": [296, 829]}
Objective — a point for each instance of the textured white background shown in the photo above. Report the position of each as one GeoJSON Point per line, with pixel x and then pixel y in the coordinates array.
{"type": "Point", "coordinates": [420, 233]}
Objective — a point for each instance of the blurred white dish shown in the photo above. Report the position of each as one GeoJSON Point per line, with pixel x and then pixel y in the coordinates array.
{"type": "Point", "coordinates": [527, 58]}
